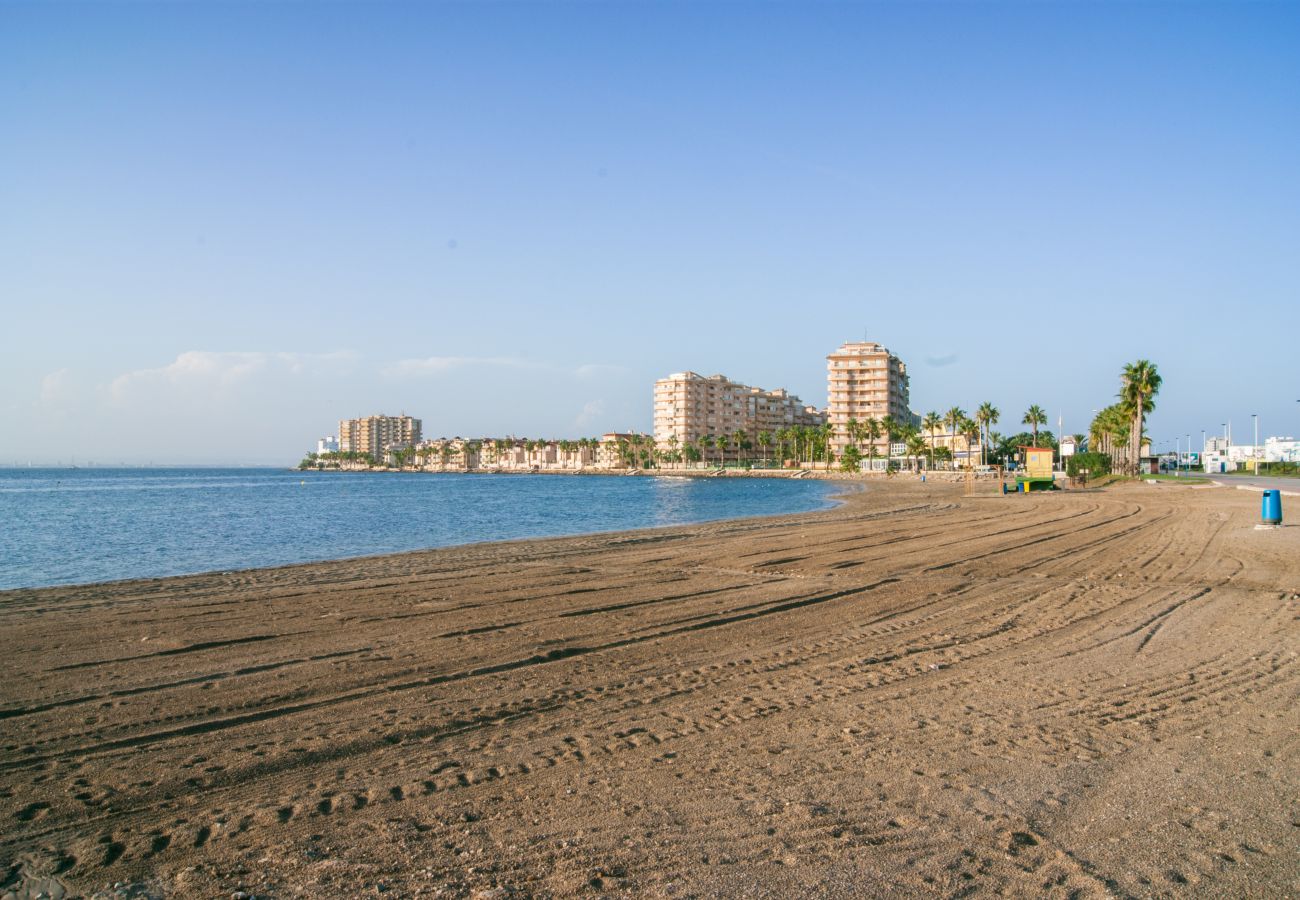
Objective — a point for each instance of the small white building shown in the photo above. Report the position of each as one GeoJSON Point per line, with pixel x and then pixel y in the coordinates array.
{"type": "Point", "coordinates": [1281, 449]}
{"type": "Point", "coordinates": [328, 444]}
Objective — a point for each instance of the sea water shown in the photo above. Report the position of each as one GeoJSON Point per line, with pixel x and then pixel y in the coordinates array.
{"type": "Point", "coordinates": [73, 526]}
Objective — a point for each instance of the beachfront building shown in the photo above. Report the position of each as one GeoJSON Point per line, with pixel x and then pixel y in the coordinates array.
{"type": "Point", "coordinates": [689, 407]}
{"type": "Point", "coordinates": [961, 451]}
{"type": "Point", "coordinates": [378, 434]}
{"type": "Point", "coordinates": [625, 449]}
{"type": "Point", "coordinates": [864, 381]}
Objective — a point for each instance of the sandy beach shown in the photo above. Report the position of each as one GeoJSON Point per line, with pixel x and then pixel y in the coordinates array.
{"type": "Point", "coordinates": [918, 693]}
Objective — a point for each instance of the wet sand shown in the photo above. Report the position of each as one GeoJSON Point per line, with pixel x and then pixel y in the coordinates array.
{"type": "Point", "coordinates": [920, 693]}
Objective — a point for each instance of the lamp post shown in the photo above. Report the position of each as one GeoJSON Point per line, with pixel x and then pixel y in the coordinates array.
{"type": "Point", "coordinates": [1254, 450]}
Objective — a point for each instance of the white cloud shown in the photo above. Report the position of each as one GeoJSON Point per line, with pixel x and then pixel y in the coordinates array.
{"type": "Point", "coordinates": [593, 370]}
{"type": "Point", "coordinates": [434, 365]}
{"type": "Point", "coordinates": [56, 388]}
{"type": "Point", "coordinates": [209, 370]}
{"type": "Point", "coordinates": [591, 411]}
{"type": "Point", "coordinates": [437, 365]}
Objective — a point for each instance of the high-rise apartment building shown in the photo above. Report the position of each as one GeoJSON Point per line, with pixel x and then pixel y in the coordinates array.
{"type": "Point", "coordinates": [689, 406]}
{"type": "Point", "coordinates": [864, 381]}
{"type": "Point", "coordinates": [375, 434]}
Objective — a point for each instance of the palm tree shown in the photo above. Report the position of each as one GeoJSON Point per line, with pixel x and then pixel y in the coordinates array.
{"type": "Point", "coordinates": [915, 447]}
{"type": "Point", "coordinates": [705, 443]}
{"type": "Point", "coordinates": [1034, 416]}
{"type": "Point", "coordinates": [827, 434]}
{"type": "Point", "coordinates": [1141, 384]}
{"type": "Point", "coordinates": [872, 429]}
{"type": "Point", "coordinates": [1110, 430]}
{"type": "Point", "coordinates": [987, 416]}
{"type": "Point", "coordinates": [952, 418]}
{"type": "Point", "coordinates": [741, 439]}
{"type": "Point", "coordinates": [765, 441]}
{"type": "Point", "coordinates": [970, 430]}
{"type": "Point", "coordinates": [932, 423]}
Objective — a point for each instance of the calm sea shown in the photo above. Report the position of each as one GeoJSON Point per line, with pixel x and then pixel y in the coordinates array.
{"type": "Point", "coordinates": [72, 526]}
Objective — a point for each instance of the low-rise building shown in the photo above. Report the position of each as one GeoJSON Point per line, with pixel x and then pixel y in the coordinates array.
{"type": "Point", "coordinates": [1281, 449]}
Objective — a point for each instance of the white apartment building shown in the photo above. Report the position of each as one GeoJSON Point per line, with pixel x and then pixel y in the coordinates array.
{"type": "Point", "coordinates": [689, 406]}
{"type": "Point", "coordinates": [864, 381]}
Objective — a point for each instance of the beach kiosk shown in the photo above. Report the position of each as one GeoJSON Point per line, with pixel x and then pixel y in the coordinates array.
{"type": "Point", "coordinates": [1036, 470]}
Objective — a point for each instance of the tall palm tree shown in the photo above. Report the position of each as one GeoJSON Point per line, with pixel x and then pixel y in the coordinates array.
{"type": "Point", "coordinates": [932, 423]}
{"type": "Point", "coordinates": [1141, 384]}
{"type": "Point", "coordinates": [705, 442]}
{"type": "Point", "coordinates": [915, 447]}
{"type": "Point", "coordinates": [765, 441]}
{"type": "Point", "coordinates": [740, 438]}
{"type": "Point", "coordinates": [827, 433]}
{"type": "Point", "coordinates": [1034, 416]}
{"type": "Point", "coordinates": [953, 418]}
{"type": "Point", "coordinates": [987, 416]}
{"type": "Point", "coordinates": [872, 430]}
{"type": "Point", "coordinates": [889, 427]}
{"type": "Point", "coordinates": [1110, 430]}
{"type": "Point", "coordinates": [970, 430]}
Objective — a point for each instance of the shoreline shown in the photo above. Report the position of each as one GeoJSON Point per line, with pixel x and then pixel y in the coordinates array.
{"type": "Point", "coordinates": [914, 692]}
{"type": "Point", "coordinates": [832, 500]}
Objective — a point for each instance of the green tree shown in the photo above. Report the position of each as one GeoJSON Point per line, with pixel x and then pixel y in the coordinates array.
{"type": "Point", "coordinates": [915, 447]}
{"type": "Point", "coordinates": [872, 429]}
{"type": "Point", "coordinates": [987, 416]}
{"type": "Point", "coordinates": [827, 433]}
{"type": "Point", "coordinates": [1034, 416]}
{"type": "Point", "coordinates": [953, 419]}
{"type": "Point", "coordinates": [932, 423]}
{"type": "Point", "coordinates": [1141, 383]}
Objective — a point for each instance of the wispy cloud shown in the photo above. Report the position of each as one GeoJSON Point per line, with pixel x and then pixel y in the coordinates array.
{"type": "Point", "coordinates": [591, 411]}
{"type": "Point", "coordinates": [594, 370]}
{"type": "Point", "coordinates": [225, 369]}
{"type": "Point", "coordinates": [941, 361]}
{"type": "Point", "coordinates": [55, 387]}
{"type": "Point", "coordinates": [437, 365]}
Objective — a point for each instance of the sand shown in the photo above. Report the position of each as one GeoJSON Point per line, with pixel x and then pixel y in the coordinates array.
{"type": "Point", "coordinates": [920, 693]}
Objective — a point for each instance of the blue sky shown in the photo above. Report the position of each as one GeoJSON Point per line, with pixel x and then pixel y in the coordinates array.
{"type": "Point", "coordinates": [225, 226]}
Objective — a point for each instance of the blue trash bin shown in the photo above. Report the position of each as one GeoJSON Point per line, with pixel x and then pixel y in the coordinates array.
{"type": "Point", "coordinates": [1271, 508]}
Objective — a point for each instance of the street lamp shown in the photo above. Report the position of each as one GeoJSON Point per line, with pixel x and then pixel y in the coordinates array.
{"type": "Point", "coordinates": [1254, 450]}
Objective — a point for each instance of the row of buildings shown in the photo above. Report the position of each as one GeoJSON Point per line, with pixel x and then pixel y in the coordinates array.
{"type": "Point", "coordinates": [864, 380]}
